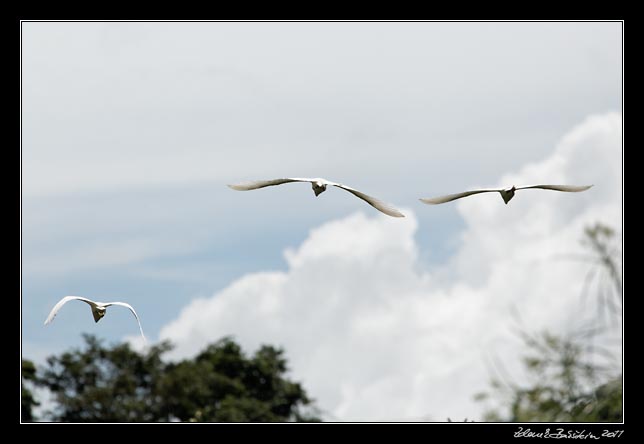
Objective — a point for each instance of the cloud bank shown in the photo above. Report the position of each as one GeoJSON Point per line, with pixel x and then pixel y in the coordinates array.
{"type": "Point", "coordinates": [374, 335]}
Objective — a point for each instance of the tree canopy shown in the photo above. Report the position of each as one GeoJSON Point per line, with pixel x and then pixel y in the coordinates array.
{"type": "Point", "coordinates": [28, 402]}
{"type": "Point", "coordinates": [119, 384]}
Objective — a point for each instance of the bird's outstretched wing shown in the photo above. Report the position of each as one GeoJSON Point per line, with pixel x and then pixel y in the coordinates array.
{"type": "Point", "coordinates": [376, 203]}
{"type": "Point", "coordinates": [63, 301]}
{"type": "Point", "coordinates": [568, 188]}
{"type": "Point", "coordinates": [123, 304]}
{"type": "Point", "coordinates": [255, 184]}
{"type": "Point", "coordinates": [451, 197]}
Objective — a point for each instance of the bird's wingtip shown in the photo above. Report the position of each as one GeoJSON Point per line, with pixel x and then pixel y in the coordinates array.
{"type": "Point", "coordinates": [393, 212]}
{"type": "Point", "coordinates": [239, 187]}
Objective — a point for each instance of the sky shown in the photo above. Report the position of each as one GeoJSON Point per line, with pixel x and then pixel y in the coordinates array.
{"type": "Point", "coordinates": [131, 131]}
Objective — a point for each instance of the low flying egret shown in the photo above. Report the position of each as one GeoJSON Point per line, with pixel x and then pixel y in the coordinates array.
{"type": "Point", "coordinates": [98, 309]}
{"type": "Point", "coordinates": [506, 193]}
{"type": "Point", "coordinates": [319, 186]}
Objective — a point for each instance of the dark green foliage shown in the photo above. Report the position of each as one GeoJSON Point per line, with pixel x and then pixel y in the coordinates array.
{"type": "Point", "coordinates": [117, 384]}
{"type": "Point", "coordinates": [27, 398]}
{"type": "Point", "coordinates": [105, 384]}
{"type": "Point", "coordinates": [233, 388]}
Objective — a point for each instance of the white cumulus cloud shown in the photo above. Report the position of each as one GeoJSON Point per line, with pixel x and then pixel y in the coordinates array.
{"type": "Point", "coordinates": [374, 335]}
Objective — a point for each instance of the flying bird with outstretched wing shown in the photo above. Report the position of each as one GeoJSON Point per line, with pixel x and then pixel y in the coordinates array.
{"type": "Point", "coordinates": [506, 193]}
{"type": "Point", "coordinates": [98, 309]}
{"type": "Point", "coordinates": [319, 186]}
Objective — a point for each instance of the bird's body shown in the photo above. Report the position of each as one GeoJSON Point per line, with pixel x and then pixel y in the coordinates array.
{"type": "Point", "coordinates": [319, 186]}
{"type": "Point", "coordinates": [98, 309]}
{"type": "Point", "coordinates": [506, 193]}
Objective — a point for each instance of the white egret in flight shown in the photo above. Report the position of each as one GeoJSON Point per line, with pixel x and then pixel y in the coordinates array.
{"type": "Point", "coordinates": [98, 309]}
{"type": "Point", "coordinates": [319, 186]}
{"type": "Point", "coordinates": [506, 193]}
